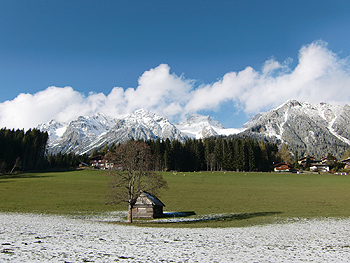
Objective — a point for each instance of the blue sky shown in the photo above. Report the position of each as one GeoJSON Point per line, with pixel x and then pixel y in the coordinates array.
{"type": "Point", "coordinates": [228, 59]}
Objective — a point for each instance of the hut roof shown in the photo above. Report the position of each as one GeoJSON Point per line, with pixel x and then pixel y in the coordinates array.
{"type": "Point", "coordinates": [154, 200]}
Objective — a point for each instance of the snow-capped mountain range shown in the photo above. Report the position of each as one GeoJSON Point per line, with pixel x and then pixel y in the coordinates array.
{"type": "Point", "coordinates": [306, 128]}
{"type": "Point", "coordinates": [89, 132]}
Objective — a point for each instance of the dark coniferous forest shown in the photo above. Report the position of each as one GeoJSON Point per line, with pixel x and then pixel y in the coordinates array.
{"type": "Point", "coordinates": [215, 154]}
{"type": "Point", "coordinates": [21, 150]}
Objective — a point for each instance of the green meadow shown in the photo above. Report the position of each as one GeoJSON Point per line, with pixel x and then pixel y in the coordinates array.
{"type": "Point", "coordinates": [231, 199]}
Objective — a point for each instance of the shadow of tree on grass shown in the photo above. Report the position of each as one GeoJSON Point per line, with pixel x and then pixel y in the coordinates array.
{"type": "Point", "coordinates": [180, 217]}
{"type": "Point", "coordinates": [24, 175]}
{"type": "Point", "coordinates": [38, 174]}
{"type": "Point", "coordinates": [178, 214]}
{"type": "Point", "coordinates": [229, 217]}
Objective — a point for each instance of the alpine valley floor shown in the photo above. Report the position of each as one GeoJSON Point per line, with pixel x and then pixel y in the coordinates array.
{"type": "Point", "coordinates": [42, 238]}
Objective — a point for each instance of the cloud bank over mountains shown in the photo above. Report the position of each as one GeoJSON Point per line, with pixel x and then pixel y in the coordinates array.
{"type": "Point", "coordinates": [319, 76]}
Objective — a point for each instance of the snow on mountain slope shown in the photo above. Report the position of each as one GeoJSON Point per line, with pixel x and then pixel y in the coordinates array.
{"type": "Point", "coordinates": [140, 124]}
{"type": "Point", "coordinates": [86, 133]}
{"type": "Point", "coordinates": [69, 137]}
{"type": "Point", "coordinates": [200, 126]}
{"type": "Point", "coordinates": [54, 129]}
{"type": "Point", "coordinates": [158, 125]}
{"type": "Point", "coordinates": [306, 128]}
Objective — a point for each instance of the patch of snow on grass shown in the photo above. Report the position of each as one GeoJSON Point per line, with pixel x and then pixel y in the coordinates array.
{"type": "Point", "coordinates": [32, 237]}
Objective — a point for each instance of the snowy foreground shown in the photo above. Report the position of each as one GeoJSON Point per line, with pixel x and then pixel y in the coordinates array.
{"type": "Point", "coordinates": [30, 238]}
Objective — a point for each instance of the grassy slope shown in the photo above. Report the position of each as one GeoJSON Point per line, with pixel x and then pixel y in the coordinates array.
{"type": "Point", "coordinates": [61, 192]}
{"type": "Point", "coordinates": [258, 196]}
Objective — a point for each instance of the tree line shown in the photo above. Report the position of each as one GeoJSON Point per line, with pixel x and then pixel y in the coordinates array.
{"type": "Point", "coordinates": [21, 150]}
{"type": "Point", "coordinates": [25, 151]}
{"type": "Point", "coordinates": [214, 154]}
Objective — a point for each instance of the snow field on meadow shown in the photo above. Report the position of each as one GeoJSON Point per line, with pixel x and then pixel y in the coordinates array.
{"type": "Point", "coordinates": [34, 238]}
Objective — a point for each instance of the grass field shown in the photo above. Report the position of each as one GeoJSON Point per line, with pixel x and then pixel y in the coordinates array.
{"type": "Point", "coordinates": [240, 198]}
{"type": "Point", "coordinates": [56, 192]}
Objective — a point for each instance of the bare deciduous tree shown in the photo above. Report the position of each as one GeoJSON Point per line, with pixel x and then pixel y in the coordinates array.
{"type": "Point", "coordinates": [132, 172]}
{"type": "Point", "coordinates": [285, 154]}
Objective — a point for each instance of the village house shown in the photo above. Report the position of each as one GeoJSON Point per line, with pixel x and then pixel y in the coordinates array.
{"type": "Point", "coordinates": [322, 165]}
{"type": "Point", "coordinates": [100, 162]}
{"type": "Point", "coordinates": [326, 159]}
{"type": "Point", "coordinates": [305, 161]}
{"type": "Point", "coordinates": [282, 167]}
{"type": "Point", "coordinates": [319, 167]}
{"type": "Point", "coordinates": [147, 206]}
{"type": "Point", "coordinates": [347, 163]}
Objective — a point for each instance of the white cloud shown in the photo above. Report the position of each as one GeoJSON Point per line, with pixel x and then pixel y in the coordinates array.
{"type": "Point", "coordinates": [26, 110]}
{"type": "Point", "coordinates": [320, 76]}
{"type": "Point", "coordinates": [158, 91]}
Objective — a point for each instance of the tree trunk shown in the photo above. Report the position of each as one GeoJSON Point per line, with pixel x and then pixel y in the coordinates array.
{"type": "Point", "coordinates": [129, 220]}
{"type": "Point", "coordinates": [16, 164]}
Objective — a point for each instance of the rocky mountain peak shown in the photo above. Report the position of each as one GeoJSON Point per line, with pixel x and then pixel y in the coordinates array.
{"type": "Point", "coordinates": [143, 116]}
{"type": "Point", "coordinates": [200, 126]}
{"type": "Point", "coordinates": [88, 132]}
{"type": "Point", "coordinates": [309, 129]}
{"type": "Point", "coordinates": [202, 121]}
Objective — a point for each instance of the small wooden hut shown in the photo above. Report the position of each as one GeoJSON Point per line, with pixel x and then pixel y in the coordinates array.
{"type": "Point", "coordinates": [147, 206]}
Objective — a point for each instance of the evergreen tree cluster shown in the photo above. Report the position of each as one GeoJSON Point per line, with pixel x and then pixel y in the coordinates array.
{"type": "Point", "coordinates": [214, 154]}
{"type": "Point", "coordinates": [24, 151]}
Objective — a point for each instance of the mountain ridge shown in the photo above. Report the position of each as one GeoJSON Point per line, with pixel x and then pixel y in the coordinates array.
{"type": "Point", "coordinates": [304, 127]}
{"type": "Point", "coordinates": [88, 132]}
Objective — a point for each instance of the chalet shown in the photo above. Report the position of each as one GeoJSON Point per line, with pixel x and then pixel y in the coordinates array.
{"type": "Point", "coordinates": [323, 164]}
{"type": "Point", "coordinates": [282, 167]}
{"type": "Point", "coordinates": [147, 206]}
{"type": "Point", "coordinates": [319, 167]}
{"type": "Point", "coordinates": [305, 161]}
{"type": "Point", "coordinates": [347, 163]}
{"type": "Point", "coordinates": [100, 162]}
{"type": "Point", "coordinates": [326, 159]}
